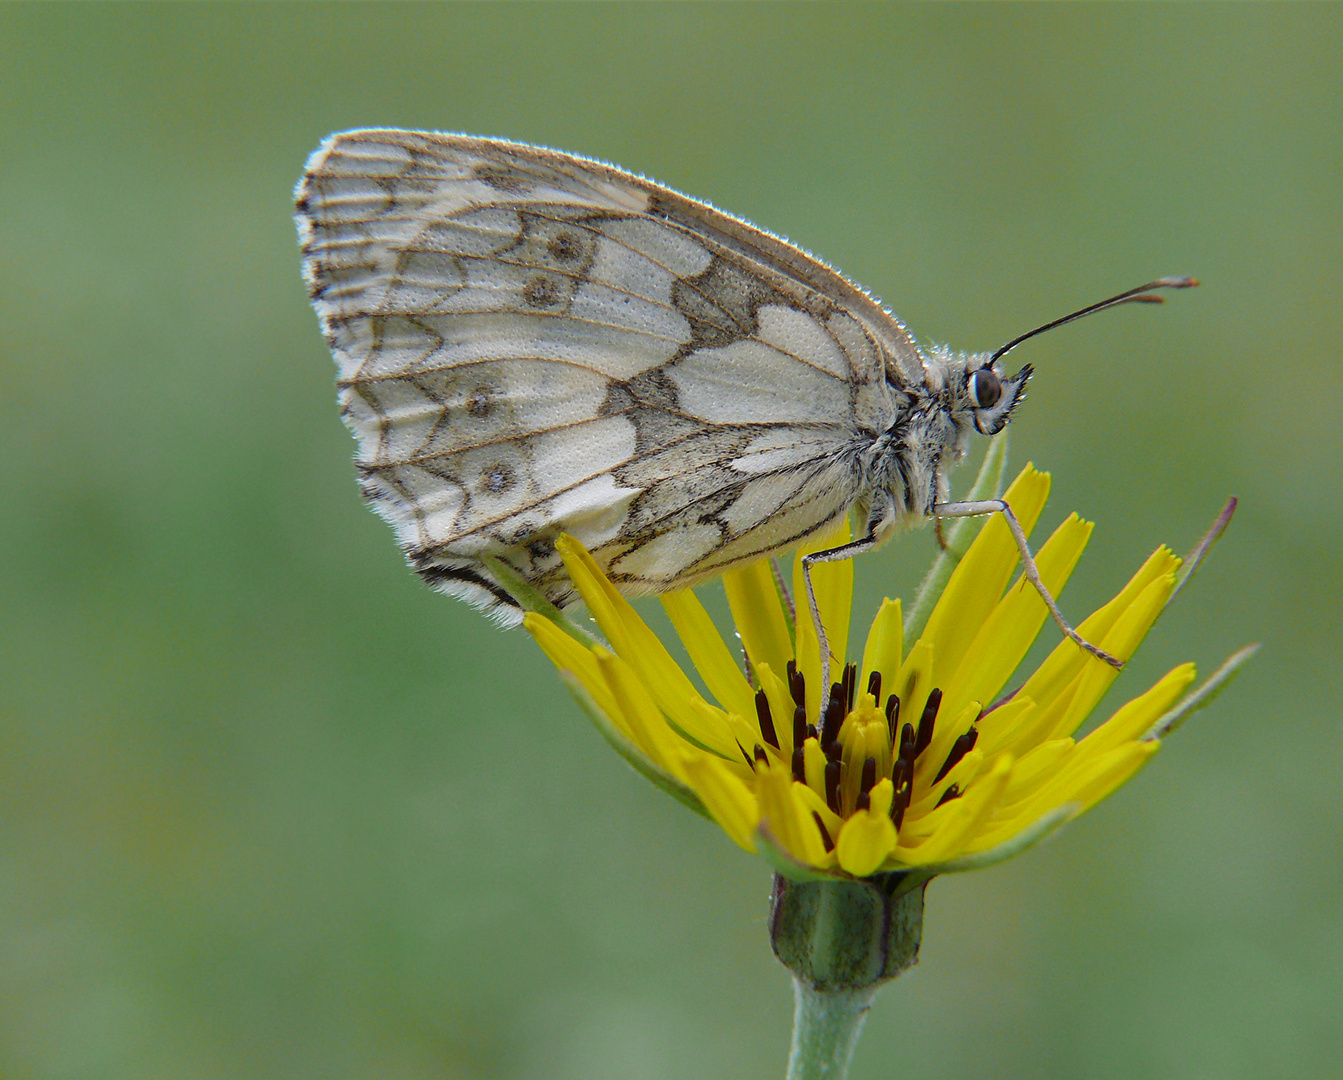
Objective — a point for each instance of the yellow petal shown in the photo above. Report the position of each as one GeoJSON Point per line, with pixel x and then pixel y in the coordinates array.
{"type": "Point", "coordinates": [1084, 783]}
{"type": "Point", "coordinates": [961, 774]}
{"type": "Point", "coordinates": [711, 657]}
{"type": "Point", "coordinates": [865, 841]}
{"type": "Point", "coordinates": [1013, 624]}
{"type": "Point", "coordinates": [950, 727]}
{"type": "Point", "coordinates": [833, 582]}
{"type": "Point", "coordinates": [648, 730]}
{"type": "Point", "coordinates": [568, 655]}
{"type": "Point", "coordinates": [980, 578]}
{"type": "Point", "coordinates": [1003, 728]}
{"type": "Point", "coordinates": [1121, 641]}
{"type": "Point", "coordinates": [914, 683]}
{"type": "Point", "coordinates": [1134, 719]}
{"type": "Point", "coordinates": [780, 706]}
{"type": "Point", "coordinates": [884, 649]}
{"type": "Point", "coordinates": [963, 818]}
{"type": "Point", "coordinates": [633, 641]}
{"type": "Point", "coordinates": [1064, 663]}
{"type": "Point", "coordinates": [759, 615]}
{"type": "Point", "coordinates": [789, 819]}
{"type": "Point", "coordinates": [1035, 769]}
{"type": "Point", "coordinates": [725, 795]}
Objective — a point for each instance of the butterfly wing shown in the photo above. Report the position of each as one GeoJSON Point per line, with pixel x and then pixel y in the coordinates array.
{"type": "Point", "coordinates": [531, 343]}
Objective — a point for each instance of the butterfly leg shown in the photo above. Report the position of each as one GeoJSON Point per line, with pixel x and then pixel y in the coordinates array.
{"type": "Point", "coordinates": [1028, 567]}
{"type": "Point", "coordinates": [835, 554]}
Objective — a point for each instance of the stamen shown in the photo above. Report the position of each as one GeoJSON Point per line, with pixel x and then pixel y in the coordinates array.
{"type": "Point", "coordinates": [907, 742]}
{"type": "Point", "coordinates": [834, 714]}
{"type": "Point", "coordinates": [850, 682]}
{"type": "Point", "coordinates": [953, 792]}
{"type": "Point", "coordinates": [959, 749]}
{"type": "Point", "coordinates": [760, 754]}
{"type": "Point", "coordinates": [904, 792]}
{"type": "Point", "coordinates": [893, 716]}
{"type": "Point", "coordinates": [797, 685]}
{"type": "Point", "coordinates": [800, 727]}
{"type": "Point", "coordinates": [762, 714]}
{"type": "Point", "coordinates": [865, 786]}
{"type": "Point", "coordinates": [899, 772]}
{"type": "Point", "coordinates": [799, 764]}
{"type": "Point", "coordinates": [927, 720]}
{"type": "Point", "coordinates": [825, 836]}
{"type": "Point", "coordinates": [874, 686]}
{"type": "Point", "coordinates": [746, 755]}
{"type": "Point", "coordinates": [832, 785]}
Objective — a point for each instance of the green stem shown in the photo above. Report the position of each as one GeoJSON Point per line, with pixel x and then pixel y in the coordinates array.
{"type": "Point", "coordinates": [826, 1026]}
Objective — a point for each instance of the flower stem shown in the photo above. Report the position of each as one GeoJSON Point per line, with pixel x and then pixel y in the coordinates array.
{"type": "Point", "coordinates": [841, 939]}
{"type": "Point", "coordinates": [826, 1026]}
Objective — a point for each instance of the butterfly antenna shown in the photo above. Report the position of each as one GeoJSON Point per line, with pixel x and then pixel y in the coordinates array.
{"type": "Point", "coordinates": [1141, 295]}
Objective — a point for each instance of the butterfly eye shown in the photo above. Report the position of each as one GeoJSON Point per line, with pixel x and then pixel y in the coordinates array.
{"type": "Point", "coordinates": [985, 388]}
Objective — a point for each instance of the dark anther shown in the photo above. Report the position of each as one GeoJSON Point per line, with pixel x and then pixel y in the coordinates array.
{"type": "Point", "coordinates": [900, 772]}
{"type": "Point", "coordinates": [850, 680]}
{"type": "Point", "coordinates": [863, 801]}
{"type": "Point", "coordinates": [953, 792]}
{"type": "Point", "coordinates": [760, 754]}
{"type": "Point", "coordinates": [812, 733]}
{"type": "Point", "coordinates": [797, 685]}
{"type": "Point", "coordinates": [825, 836]}
{"type": "Point", "coordinates": [874, 686]}
{"type": "Point", "coordinates": [799, 725]}
{"type": "Point", "coordinates": [832, 785]}
{"type": "Point", "coordinates": [893, 716]}
{"type": "Point", "coordinates": [833, 751]}
{"type": "Point", "coordinates": [927, 720]}
{"type": "Point", "coordinates": [746, 755]}
{"type": "Point", "coordinates": [867, 783]}
{"type": "Point", "coordinates": [834, 715]}
{"type": "Point", "coordinates": [799, 764]}
{"type": "Point", "coordinates": [900, 802]}
{"type": "Point", "coordinates": [907, 742]}
{"type": "Point", "coordinates": [766, 720]}
{"type": "Point", "coordinates": [959, 749]}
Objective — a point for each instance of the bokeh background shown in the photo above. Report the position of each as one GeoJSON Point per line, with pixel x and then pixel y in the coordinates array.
{"type": "Point", "coordinates": [273, 809]}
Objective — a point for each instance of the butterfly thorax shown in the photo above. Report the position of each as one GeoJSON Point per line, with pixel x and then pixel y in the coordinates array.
{"type": "Point", "coordinates": [906, 470]}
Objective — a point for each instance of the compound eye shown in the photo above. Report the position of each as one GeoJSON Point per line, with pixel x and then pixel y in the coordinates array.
{"type": "Point", "coordinates": [985, 388]}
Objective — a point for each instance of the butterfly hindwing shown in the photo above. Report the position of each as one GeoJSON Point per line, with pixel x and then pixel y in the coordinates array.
{"type": "Point", "coordinates": [529, 343]}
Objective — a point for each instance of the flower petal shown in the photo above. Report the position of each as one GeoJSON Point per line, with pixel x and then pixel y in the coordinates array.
{"type": "Point", "coordinates": [1013, 624]}
{"type": "Point", "coordinates": [1064, 663]}
{"type": "Point", "coordinates": [725, 795]}
{"type": "Point", "coordinates": [708, 652]}
{"type": "Point", "coordinates": [979, 580]}
{"type": "Point", "coordinates": [884, 649]}
{"type": "Point", "coordinates": [865, 841]}
{"type": "Point", "coordinates": [1133, 720]}
{"type": "Point", "coordinates": [833, 582]}
{"type": "Point", "coordinates": [961, 818]}
{"type": "Point", "coordinates": [634, 642]}
{"type": "Point", "coordinates": [788, 819]}
{"type": "Point", "coordinates": [568, 655]}
{"type": "Point", "coordinates": [759, 615]}
{"type": "Point", "coordinates": [1121, 641]}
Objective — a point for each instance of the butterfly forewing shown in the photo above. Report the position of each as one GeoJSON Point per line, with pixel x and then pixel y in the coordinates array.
{"type": "Point", "coordinates": [531, 343]}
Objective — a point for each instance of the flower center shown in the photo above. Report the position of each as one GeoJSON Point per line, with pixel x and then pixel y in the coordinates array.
{"type": "Point", "coordinates": [856, 745]}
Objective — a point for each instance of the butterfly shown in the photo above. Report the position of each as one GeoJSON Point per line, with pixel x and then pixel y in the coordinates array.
{"type": "Point", "coordinates": [531, 343]}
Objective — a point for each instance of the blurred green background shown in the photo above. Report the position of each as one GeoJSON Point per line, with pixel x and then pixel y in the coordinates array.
{"type": "Point", "coordinates": [273, 809]}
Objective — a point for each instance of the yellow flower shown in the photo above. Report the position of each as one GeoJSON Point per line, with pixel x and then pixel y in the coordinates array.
{"type": "Point", "coordinates": [921, 764]}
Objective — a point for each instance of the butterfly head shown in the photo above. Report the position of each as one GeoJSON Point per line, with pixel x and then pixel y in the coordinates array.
{"type": "Point", "coordinates": [988, 395]}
